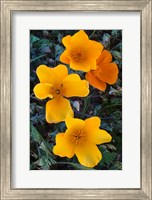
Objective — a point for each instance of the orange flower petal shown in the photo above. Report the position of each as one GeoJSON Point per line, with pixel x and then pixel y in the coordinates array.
{"type": "Point", "coordinates": [63, 147]}
{"type": "Point", "coordinates": [58, 109]}
{"type": "Point", "coordinates": [95, 82]}
{"type": "Point", "coordinates": [81, 138]}
{"type": "Point", "coordinates": [79, 38]}
{"type": "Point", "coordinates": [81, 52]}
{"type": "Point", "coordinates": [64, 57]}
{"type": "Point", "coordinates": [88, 154]}
{"type": "Point", "coordinates": [67, 40]}
{"type": "Point", "coordinates": [74, 122]}
{"type": "Point", "coordinates": [92, 122]}
{"type": "Point", "coordinates": [83, 66]}
{"type": "Point", "coordinates": [107, 72]}
{"type": "Point", "coordinates": [95, 49]}
{"type": "Point", "coordinates": [91, 51]}
{"type": "Point", "coordinates": [105, 57]}
{"type": "Point", "coordinates": [93, 65]}
{"type": "Point", "coordinates": [43, 72]}
{"type": "Point", "coordinates": [74, 86]}
{"type": "Point", "coordinates": [94, 134]}
{"type": "Point", "coordinates": [43, 90]}
{"type": "Point", "coordinates": [102, 136]}
{"type": "Point", "coordinates": [51, 75]}
{"type": "Point", "coordinates": [59, 73]}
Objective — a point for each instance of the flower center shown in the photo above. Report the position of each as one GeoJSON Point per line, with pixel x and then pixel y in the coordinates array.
{"type": "Point", "coordinates": [78, 55]}
{"type": "Point", "coordinates": [56, 91]}
{"type": "Point", "coordinates": [78, 137]}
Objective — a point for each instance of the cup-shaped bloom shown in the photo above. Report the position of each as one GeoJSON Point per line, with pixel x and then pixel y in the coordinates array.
{"type": "Point", "coordinates": [81, 53]}
{"type": "Point", "coordinates": [56, 84]}
{"type": "Point", "coordinates": [81, 139]}
{"type": "Point", "coordinates": [106, 72]}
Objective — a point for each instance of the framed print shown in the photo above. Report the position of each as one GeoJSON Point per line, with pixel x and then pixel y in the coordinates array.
{"type": "Point", "coordinates": [76, 100]}
{"type": "Point", "coordinates": [83, 103]}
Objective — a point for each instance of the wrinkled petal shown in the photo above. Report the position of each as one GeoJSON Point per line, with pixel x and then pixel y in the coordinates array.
{"type": "Point", "coordinates": [67, 40]}
{"type": "Point", "coordinates": [74, 86]}
{"type": "Point", "coordinates": [108, 73]}
{"type": "Point", "coordinates": [88, 154]}
{"type": "Point", "coordinates": [51, 75]}
{"type": "Point", "coordinates": [95, 82]}
{"type": "Point", "coordinates": [74, 122]}
{"type": "Point", "coordinates": [105, 57]}
{"type": "Point", "coordinates": [58, 109]}
{"type": "Point", "coordinates": [64, 57]}
{"type": "Point", "coordinates": [63, 147]}
{"type": "Point", "coordinates": [94, 134]}
{"type": "Point", "coordinates": [43, 90]}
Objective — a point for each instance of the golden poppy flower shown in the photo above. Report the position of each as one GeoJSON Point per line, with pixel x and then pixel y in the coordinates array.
{"type": "Point", "coordinates": [56, 84]}
{"type": "Point", "coordinates": [81, 52]}
{"type": "Point", "coordinates": [106, 72]}
{"type": "Point", "coordinates": [81, 139]}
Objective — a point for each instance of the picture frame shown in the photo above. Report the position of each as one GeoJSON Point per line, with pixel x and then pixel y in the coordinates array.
{"type": "Point", "coordinates": [7, 8]}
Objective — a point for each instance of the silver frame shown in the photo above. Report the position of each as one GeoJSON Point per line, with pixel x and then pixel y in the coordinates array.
{"type": "Point", "coordinates": [144, 7]}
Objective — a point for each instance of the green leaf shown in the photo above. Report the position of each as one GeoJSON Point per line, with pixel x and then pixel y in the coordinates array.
{"type": "Point", "coordinates": [102, 147]}
{"type": "Point", "coordinates": [118, 47]}
{"type": "Point", "coordinates": [43, 162]}
{"type": "Point", "coordinates": [116, 55]}
{"type": "Point", "coordinates": [41, 43]}
{"type": "Point", "coordinates": [97, 110]}
{"type": "Point", "coordinates": [43, 145]}
{"type": "Point", "coordinates": [106, 126]}
{"type": "Point", "coordinates": [117, 165]}
{"type": "Point", "coordinates": [86, 105]}
{"type": "Point", "coordinates": [114, 33]}
{"type": "Point", "coordinates": [37, 58]}
{"type": "Point", "coordinates": [108, 157]}
{"type": "Point", "coordinates": [61, 127]}
{"type": "Point", "coordinates": [36, 135]}
{"type": "Point", "coordinates": [92, 34]}
{"type": "Point", "coordinates": [60, 36]}
{"type": "Point", "coordinates": [44, 148]}
{"type": "Point", "coordinates": [33, 39]}
{"type": "Point", "coordinates": [58, 51]}
{"type": "Point", "coordinates": [111, 147]}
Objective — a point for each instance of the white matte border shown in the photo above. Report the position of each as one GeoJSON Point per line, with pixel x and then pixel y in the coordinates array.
{"type": "Point", "coordinates": [129, 177]}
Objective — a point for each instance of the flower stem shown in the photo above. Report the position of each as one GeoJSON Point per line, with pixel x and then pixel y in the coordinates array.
{"type": "Point", "coordinates": [92, 34]}
{"type": "Point", "coordinates": [37, 58]}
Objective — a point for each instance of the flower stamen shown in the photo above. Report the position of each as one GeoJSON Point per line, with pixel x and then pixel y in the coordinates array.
{"type": "Point", "coordinates": [78, 137]}
{"type": "Point", "coordinates": [57, 92]}
{"type": "Point", "coordinates": [78, 55]}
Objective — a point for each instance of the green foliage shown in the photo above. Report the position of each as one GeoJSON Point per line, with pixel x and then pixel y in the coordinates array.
{"type": "Point", "coordinates": [45, 48]}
